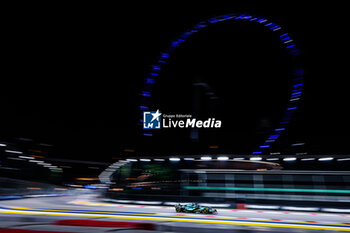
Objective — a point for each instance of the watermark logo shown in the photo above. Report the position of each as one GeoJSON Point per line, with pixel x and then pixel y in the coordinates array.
{"type": "Point", "coordinates": [157, 120]}
{"type": "Point", "coordinates": [152, 120]}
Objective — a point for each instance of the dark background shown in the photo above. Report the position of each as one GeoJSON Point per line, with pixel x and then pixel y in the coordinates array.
{"type": "Point", "coordinates": [71, 76]}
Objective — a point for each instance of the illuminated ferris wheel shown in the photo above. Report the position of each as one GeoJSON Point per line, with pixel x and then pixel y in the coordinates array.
{"type": "Point", "coordinates": [287, 43]}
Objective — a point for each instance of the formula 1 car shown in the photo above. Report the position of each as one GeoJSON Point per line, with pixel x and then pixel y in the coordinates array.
{"type": "Point", "coordinates": [195, 208]}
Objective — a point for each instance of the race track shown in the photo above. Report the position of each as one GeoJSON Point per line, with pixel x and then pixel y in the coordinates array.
{"type": "Point", "coordinates": [69, 214]}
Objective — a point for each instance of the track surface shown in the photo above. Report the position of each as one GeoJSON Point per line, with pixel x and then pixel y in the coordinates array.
{"type": "Point", "coordinates": [89, 207]}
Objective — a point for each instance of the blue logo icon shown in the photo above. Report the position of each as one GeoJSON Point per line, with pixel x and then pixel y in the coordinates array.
{"type": "Point", "coordinates": [151, 120]}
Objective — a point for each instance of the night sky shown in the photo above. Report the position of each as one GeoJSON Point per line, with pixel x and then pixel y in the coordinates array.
{"type": "Point", "coordinates": [72, 75]}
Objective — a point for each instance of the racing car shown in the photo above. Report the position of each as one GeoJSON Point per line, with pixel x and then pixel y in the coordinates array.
{"type": "Point", "coordinates": [195, 208]}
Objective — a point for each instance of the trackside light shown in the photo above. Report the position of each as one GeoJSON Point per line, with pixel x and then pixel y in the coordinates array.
{"type": "Point", "coordinates": [189, 159]}
{"type": "Point", "coordinates": [290, 159]}
{"type": "Point", "coordinates": [326, 159]}
{"type": "Point", "coordinates": [307, 159]}
{"type": "Point", "coordinates": [272, 159]}
{"type": "Point", "coordinates": [26, 157]}
{"type": "Point", "coordinates": [174, 159]}
{"type": "Point", "coordinates": [255, 158]}
{"type": "Point", "coordinates": [43, 164]}
{"type": "Point", "coordinates": [206, 158]}
{"type": "Point", "coordinates": [131, 160]}
{"type": "Point", "coordinates": [145, 160]}
{"type": "Point", "coordinates": [35, 161]}
{"type": "Point", "coordinates": [344, 159]}
{"type": "Point", "coordinates": [238, 158]}
{"type": "Point", "coordinates": [14, 151]}
{"type": "Point", "coordinates": [223, 158]}
{"type": "Point", "coordinates": [50, 166]}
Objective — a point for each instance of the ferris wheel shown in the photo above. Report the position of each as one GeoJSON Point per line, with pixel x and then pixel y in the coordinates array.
{"type": "Point", "coordinates": [286, 42]}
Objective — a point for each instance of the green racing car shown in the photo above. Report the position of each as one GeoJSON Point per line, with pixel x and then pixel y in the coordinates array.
{"type": "Point", "coordinates": [195, 208]}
